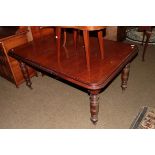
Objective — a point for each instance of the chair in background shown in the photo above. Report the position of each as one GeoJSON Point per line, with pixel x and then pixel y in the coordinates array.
{"type": "Point", "coordinates": [75, 33]}
{"type": "Point", "coordinates": [85, 30]}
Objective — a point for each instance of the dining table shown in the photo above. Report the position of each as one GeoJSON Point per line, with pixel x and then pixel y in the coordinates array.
{"type": "Point", "coordinates": [70, 64]}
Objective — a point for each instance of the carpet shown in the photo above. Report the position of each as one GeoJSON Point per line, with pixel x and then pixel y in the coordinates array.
{"type": "Point", "coordinates": [145, 119]}
{"type": "Point", "coordinates": [132, 34]}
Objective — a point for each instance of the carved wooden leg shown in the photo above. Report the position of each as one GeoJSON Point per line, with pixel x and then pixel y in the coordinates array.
{"type": "Point", "coordinates": [25, 74]}
{"type": "Point", "coordinates": [125, 76]}
{"type": "Point", "coordinates": [94, 105]}
{"type": "Point", "coordinates": [87, 49]}
{"type": "Point", "coordinates": [100, 38]}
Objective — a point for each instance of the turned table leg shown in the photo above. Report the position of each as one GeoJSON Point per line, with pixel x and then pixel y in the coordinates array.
{"type": "Point", "coordinates": [25, 74]}
{"type": "Point", "coordinates": [94, 105]}
{"type": "Point", "coordinates": [125, 76]}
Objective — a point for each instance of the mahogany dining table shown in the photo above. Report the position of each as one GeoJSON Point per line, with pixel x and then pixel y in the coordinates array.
{"type": "Point", "coordinates": [69, 64]}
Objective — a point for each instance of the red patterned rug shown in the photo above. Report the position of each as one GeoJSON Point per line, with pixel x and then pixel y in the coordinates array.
{"type": "Point", "coordinates": [145, 119]}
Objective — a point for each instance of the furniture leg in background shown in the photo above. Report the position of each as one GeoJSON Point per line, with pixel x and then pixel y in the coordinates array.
{"type": "Point", "coordinates": [87, 49]}
{"type": "Point", "coordinates": [74, 37]}
{"type": "Point", "coordinates": [101, 43]}
{"type": "Point", "coordinates": [148, 35]}
{"type": "Point", "coordinates": [147, 31]}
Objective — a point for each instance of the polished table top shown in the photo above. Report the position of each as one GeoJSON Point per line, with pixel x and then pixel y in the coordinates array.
{"type": "Point", "coordinates": [70, 63]}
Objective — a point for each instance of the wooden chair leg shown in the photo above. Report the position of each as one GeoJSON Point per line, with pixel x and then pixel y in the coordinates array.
{"type": "Point", "coordinates": [144, 33]}
{"type": "Point", "coordinates": [100, 38]}
{"type": "Point", "coordinates": [148, 35]}
{"type": "Point", "coordinates": [75, 37]}
{"type": "Point", "coordinates": [87, 49]}
{"type": "Point", "coordinates": [79, 37]}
